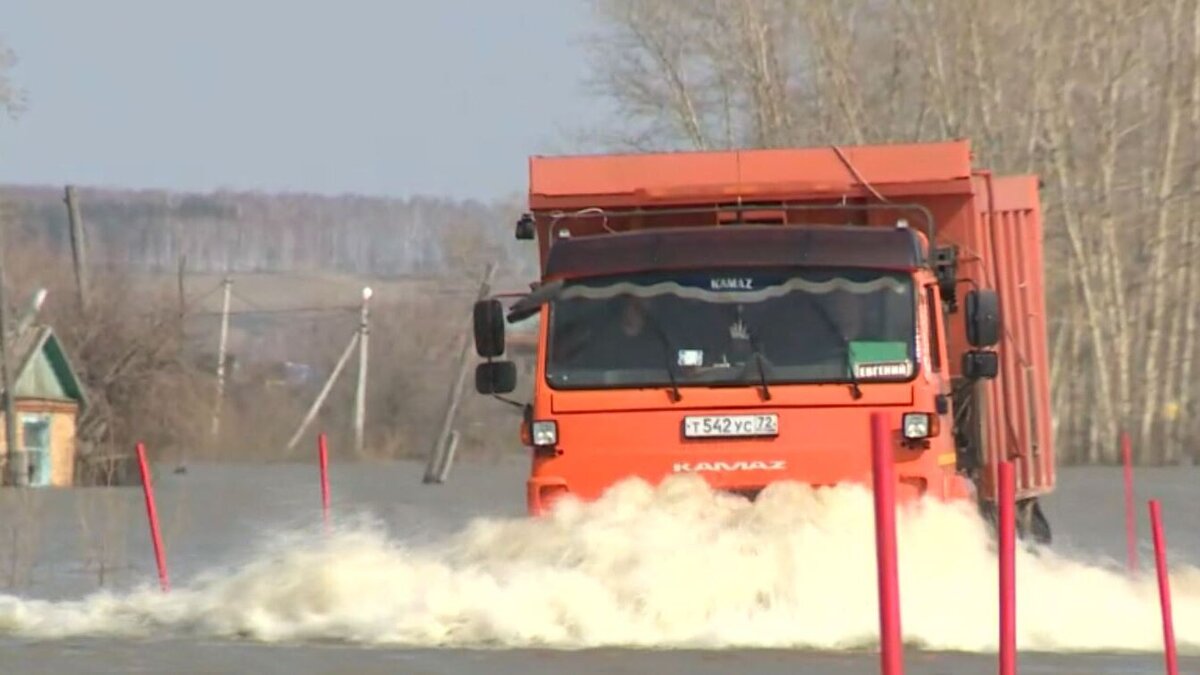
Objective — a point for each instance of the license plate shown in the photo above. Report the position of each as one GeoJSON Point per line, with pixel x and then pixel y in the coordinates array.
{"type": "Point", "coordinates": [716, 426]}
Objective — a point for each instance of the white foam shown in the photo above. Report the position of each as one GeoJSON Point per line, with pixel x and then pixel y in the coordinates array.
{"type": "Point", "coordinates": [672, 566]}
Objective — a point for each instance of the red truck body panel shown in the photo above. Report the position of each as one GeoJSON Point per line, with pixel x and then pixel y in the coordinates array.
{"type": "Point", "coordinates": [1008, 232]}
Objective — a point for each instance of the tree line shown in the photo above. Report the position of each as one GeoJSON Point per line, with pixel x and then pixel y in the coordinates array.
{"type": "Point", "coordinates": [249, 232]}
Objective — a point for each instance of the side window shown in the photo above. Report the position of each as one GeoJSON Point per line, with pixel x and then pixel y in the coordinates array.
{"type": "Point", "coordinates": [935, 328]}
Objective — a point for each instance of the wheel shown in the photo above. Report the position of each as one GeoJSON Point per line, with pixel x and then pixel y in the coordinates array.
{"type": "Point", "coordinates": [987, 511]}
{"type": "Point", "coordinates": [1032, 522]}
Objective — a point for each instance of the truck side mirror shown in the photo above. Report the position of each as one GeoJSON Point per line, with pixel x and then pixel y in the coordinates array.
{"type": "Point", "coordinates": [525, 229]}
{"type": "Point", "coordinates": [495, 377]}
{"type": "Point", "coordinates": [983, 318]}
{"type": "Point", "coordinates": [489, 328]}
{"type": "Point", "coordinates": [978, 365]}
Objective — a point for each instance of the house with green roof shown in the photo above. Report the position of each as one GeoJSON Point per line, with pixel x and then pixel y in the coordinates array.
{"type": "Point", "coordinates": [48, 399]}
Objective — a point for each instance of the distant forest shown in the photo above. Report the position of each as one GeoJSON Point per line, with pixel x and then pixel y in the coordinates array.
{"type": "Point", "coordinates": [249, 232]}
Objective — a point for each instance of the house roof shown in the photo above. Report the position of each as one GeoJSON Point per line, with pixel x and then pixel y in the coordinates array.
{"type": "Point", "coordinates": [41, 340]}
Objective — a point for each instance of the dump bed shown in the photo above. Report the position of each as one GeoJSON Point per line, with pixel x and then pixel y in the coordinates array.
{"type": "Point", "coordinates": [993, 223]}
{"type": "Point", "coordinates": [1008, 236]}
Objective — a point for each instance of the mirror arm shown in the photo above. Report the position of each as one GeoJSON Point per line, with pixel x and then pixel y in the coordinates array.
{"type": "Point", "coordinates": [504, 399]}
{"type": "Point", "coordinates": [532, 302]}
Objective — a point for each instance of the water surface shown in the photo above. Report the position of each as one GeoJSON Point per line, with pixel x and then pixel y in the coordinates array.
{"type": "Point", "coordinates": [425, 586]}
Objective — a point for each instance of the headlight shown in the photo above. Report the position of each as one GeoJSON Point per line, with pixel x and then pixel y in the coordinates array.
{"type": "Point", "coordinates": [545, 432]}
{"type": "Point", "coordinates": [917, 425]}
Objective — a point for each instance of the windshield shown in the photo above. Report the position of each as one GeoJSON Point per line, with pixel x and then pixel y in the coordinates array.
{"type": "Point", "coordinates": [730, 327]}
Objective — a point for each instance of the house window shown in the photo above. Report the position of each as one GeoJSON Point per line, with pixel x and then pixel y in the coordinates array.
{"type": "Point", "coordinates": [35, 431]}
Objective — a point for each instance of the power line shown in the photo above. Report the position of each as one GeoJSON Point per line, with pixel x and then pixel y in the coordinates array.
{"type": "Point", "coordinates": [284, 310]}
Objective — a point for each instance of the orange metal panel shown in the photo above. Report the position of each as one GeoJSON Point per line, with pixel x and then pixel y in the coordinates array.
{"type": "Point", "coordinates": [877, 164]}
{"type": "Point", "coordinates": [631, 176]}
{"type": "Point", "coordinates": [593, 453]}
{"type": "Point", "coordinates": [575, 182]}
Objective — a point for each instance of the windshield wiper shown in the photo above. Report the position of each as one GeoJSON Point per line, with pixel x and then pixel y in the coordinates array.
{"type": "Point", "coordinates": [762, 373]}
{"type": "Point", "coordinates": [676, 397]}
{"type": "Point", "coordinates": [855, 390]}
{"type": "Point", "coordinates": [666, 343]}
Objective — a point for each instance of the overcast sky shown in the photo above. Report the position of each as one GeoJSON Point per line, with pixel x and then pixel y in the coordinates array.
{"type": "Point", "coordinates": [389, 97]}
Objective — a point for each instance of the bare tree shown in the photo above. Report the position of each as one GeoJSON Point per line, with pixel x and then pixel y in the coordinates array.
{"type": "Point", "coordinates": [1102, 99]}
{"type": "Point", "coordinates": [12, 97]}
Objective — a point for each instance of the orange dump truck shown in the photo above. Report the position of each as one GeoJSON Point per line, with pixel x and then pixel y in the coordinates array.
{"type": "Point", "coordinates": [741, 314]}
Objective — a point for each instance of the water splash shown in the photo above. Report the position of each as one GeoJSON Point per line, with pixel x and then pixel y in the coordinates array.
{"type": "Point", "coordinates": [670, 566]}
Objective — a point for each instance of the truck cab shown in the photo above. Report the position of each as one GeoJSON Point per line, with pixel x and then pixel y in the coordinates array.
{"type": "Point", "coordinates": [744, 330]}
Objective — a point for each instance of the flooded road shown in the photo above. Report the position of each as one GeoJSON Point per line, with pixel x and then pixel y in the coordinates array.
{"type": "Point", "coordinates": [413, 580]}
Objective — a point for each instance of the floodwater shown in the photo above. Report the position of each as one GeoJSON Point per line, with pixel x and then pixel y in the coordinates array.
{"type": "Point", "coordinates": [453, 578]}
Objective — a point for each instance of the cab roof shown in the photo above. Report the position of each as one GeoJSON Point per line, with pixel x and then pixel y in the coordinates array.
{"type": "Point", "coordinates": [679, 248]}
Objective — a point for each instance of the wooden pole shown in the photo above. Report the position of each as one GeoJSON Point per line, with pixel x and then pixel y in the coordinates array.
{"type": "Point", "coordinates": [360, 394]}
{"type": "Point", "coordinates": [227, 284]}
{"type": "Point", "coordinates": [449, 460]}
{"type": "Point", "coordinates": [78, 250]}
{"type": "Point", "coordinates": [433, 472]}
{"type": "Point", "coordinates": [182, 297]}
{"type": "Point", "coordinates": [312, 411]}
{"type": "Point", "coordinates": [17, 461]}
{"type": "Point", "coordinates": [181, 337]}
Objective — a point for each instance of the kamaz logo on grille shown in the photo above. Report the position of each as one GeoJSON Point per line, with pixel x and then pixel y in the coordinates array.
{"type": "Point", "coordinates": [731, 283]}
{"type": "Point", "coordinates": [756, 465]}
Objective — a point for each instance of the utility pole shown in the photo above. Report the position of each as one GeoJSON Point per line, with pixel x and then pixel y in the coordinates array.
{"type": "Point", "coordinates": [312, 411]}
{"type": "Point", "coordinates": [182, 298]}
{"type": "Point", "coordinates": [17, 462]}
{"type": "Point", "coordinates": [360, 396]}
{"type": "Point", "coordinates": [181, 339]}
{"type": "Point", "coordinates": [227, 284]}
{"type": "Point", "coordinates": [78, 252]}
{"type": "Point", "coordinates": [437, 454]}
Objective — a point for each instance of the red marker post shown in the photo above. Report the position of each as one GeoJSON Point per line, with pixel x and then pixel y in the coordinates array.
{"type": "Point", "coordinates": [1006, 495]}
{"type": "Point", "coordinates": [1164, 587]}
{"type": "Point", "coordinates": [152, 516]}
{"type": "Point", "coordinates": [323, 458]}
{"type": "Point", "coordinates": [1131, 555]}
{"type": "Point", "coordinates": [883, 474]}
